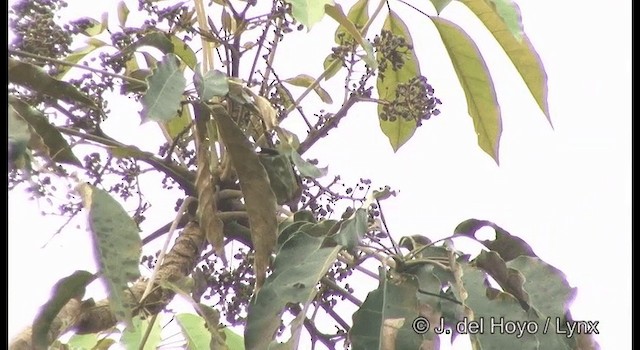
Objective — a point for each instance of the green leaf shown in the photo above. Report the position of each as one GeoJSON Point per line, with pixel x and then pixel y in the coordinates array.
{"type": "Point", "coordinates": [83, 341]}
{"type": "Point", "coordinates": [440, 5]}
{"type": "Point", "coordinates": [305, 80]}
{"type": "Point", "coordinates": [117, 246]}
{"type": "Point", "coordinates": [359, 16]}
{"type": "Point", "coordinates": [491, 305]}
{"type": "Point", "coordinates": [19, 136]}
{"type": "Point", "coordinates": [335, 12]}
{"type": "Point", "coordinates": [167, 44]}
{"type": "Point", "coordinates": [521, 53]}
{"type": "Point", "coordinates": [213, 83]}
{"type": "Point", "coordinates": [352, 230]}
{"type": "Point", "coordinates": [95, 27]}
{"type": "Point", "coordinates": [305, 168]}
{"type": "Point", "coordinates": [233, 340]}
{"type": "Point", "coordinates": [70, 287]}
{"type": "Point", "coordinates": [35, 78]}
{"type": "Point", "coordinates": [176, 126]}
{"type": "Point", "coordinates": [52, 142]}
{"type": "Point", "coordinates": [133, 336]}
{"type": "Point", "coordinates": [308, 12]}
{"type": "Point", "coordinates": [284, 182]}
{"type": "Point", "coordinates": [195, 331]}
{"type": "Point", "coordinates": [132, 86]}
{"type": "Point", "coordinates": [254, 182]}
{"type": "Point", "coordinates": [162, 99]}
{"type": "Point", "coordinates": [476, 82]}
{"type": "Point", "coordinates": [399, 130]}
{"type": "Point", "coordinates": [384, 320]}
{"type": "Point", "coordinates": [510, 14]}
{"type": "Point", "coordinates": [298, 267]}
{"type": "Point", "coordinates": [508, 246]}
{"type": "Point", "coordinates": [78, 54]}
{"type": "Point", "coordinates": [123, 13]}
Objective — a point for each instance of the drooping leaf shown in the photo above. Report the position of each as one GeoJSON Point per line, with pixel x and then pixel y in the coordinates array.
{"type": "Point", "coordinates": [213, 83]}
{"type": "Point", "coordinates": [305, 80]}
{"type": "Point", "coordinates": [78, 54]}
{"type": "Point", "coordinates": [70, 287]}
{"type": "Point", "coordinates": [305, 168]}
{"type": "Point", "coordinates": [167, 44]}
{"type": "Point", "coordinates": [491, 305]}
{"type": "Point", "coordinates": [34, 77]}
{"type": "Point", "coordinates": [384, 320]}
{"type": "Point", "coordinates": [521, 53]}
{"type": "Point", "coordinates": [308, 12]}
{"type": "Point", "coordinates": [254, 182]}
{"type": "Point", "coordinates": [359, 16]}
{"type": "Point", "coordinates": [166, 84]}
{"type": "Point", "coordinates": [117, 245]}
{"type": "Point", "coordinates": [335, 12]}
{"type": "Point", "coordinates": [440, 4]}
{"type": "Point", "coordinates": [508, 246]}
{"type": "Point", "coordinates": [123, 13]}
{"type": "Point", "coordinates": [352, 230]}
{"type": "Point", "coordinates": [509, 12]}
{"type": "Point", "coordinates": [397, 129]}
{"type": "Point", "coordinates": [289, 283]}
{"type": "Point", "coordinates": [133, 336]}
{"type": "Point", "coordinates": [268, 114]}
{"type": "Point", "coordinates": [477, 84]}
{"type": "Point", "coordinates": [194, 330]}
{"type": "Point", "coordinates": [53, 144]}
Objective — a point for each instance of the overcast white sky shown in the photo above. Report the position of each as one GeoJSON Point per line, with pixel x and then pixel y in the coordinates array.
{"type": "Point", "coordinates": [566, 191]}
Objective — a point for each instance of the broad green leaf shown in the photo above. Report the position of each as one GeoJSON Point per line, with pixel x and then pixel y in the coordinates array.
{"type": "Point", "coordinates": [298, 267]}
{"type": "Point", "coordinates": [51, 141]}
{"type": "Point", "coordinates": [83, 341]}
{"type": "Point", "coordinates": [117, 246]}
{"type": "Point", "coordinates": [521, 53]}
{"type": "Point", "coordinates": [305, 80]}
{"type": "Point", "coordinates": [352, 230]}
{"type": "Point", "coordinates": [335, 12]}
{"type": "Point", "coordinates": [509, 11]}
{"type": "Point", "coordinates": [167, 44]}
{"type": "Point", "coordinates": [166, 84]}
{"type": "Point", "coordinates": [35, 78]}
{"type": "Point", "coordinates": [194, 330]}
{"type": "Point", "coordinates": [476, 82]}
{"type": "Point", "coordinates": [233, 340]}
{"type": "Point", "coordinates": [78, 55]}
{"type": "Point", "coordinates": [308, 12]}
{"type": "Point", "coordinates": [283, 180]}
{"type": "Point", "coordinates": [213, 83]}
{"type": "Point", "coordinates": [548, 289]}
{"type": "Point", "coordinates": [384, 320]}
{"type": "Point", "coordinates": [494, 307]}
{"type": "Point", "coordinates": [508, 246]}
{"type": "Point", "coordinates": [440, 4]}
{"type": "Point", "coordinates": [359, 16]}
{"type": "Point", "coordinates": [510, 280]}
{"type": "Point", "coordinates": [133, 336]}
{"type": "Point", "coordinates": [123, 13]}
{"type": "Point", "coordinates": [177, 126]}
{"type": "Point", "coordinates": [305, 168]}
{"type": "Point", "coordinates": [254, 182]}
{"type": "Point", "coordinates": [399, 130]}
{"type": "Point", "coordinates": [70, 287]}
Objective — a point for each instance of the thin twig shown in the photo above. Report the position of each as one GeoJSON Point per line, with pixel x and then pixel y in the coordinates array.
{"type": "Point", "coordinates": [343, 292]}
{"type": "Point", "coordinates": [331, 123]}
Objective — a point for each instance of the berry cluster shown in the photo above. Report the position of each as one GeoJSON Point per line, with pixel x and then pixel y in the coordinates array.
{"type": "Point", "coordinates": [413, 100]}
{"type": "Point", "coordinates": [392, 49]}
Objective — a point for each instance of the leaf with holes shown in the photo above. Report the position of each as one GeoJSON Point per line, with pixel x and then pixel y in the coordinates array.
{"type": "Point", "coordinates": [384, 319]}
{"type": "Point", "coordinates": [308, 12]}
{"type": "Point", "coordinates": [70, 287]}
{"type": "Point", "coordinates": [50, 141]}
{"type": "Point", "coordinates": [161, 101]}
{"type": "Point", "coordinates": [477, 84]}
{"type": "Point", "coordinates": [35, 78]}
{"type": "Point", "coordinates": [521, 53]}
{"type": "Point", "coordinates": [117, 246]}
{"type": "Point", "coordinates": [254, 183]}
{"type": "Point", "coordinates": [397, 129]}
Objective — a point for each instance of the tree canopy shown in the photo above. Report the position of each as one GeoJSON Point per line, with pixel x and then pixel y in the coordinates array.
{"type": "Point", "coordinates": [264, 237]}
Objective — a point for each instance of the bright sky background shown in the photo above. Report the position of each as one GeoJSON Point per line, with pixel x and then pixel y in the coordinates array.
{"type": "Point", "coordinates": [566, 191]}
